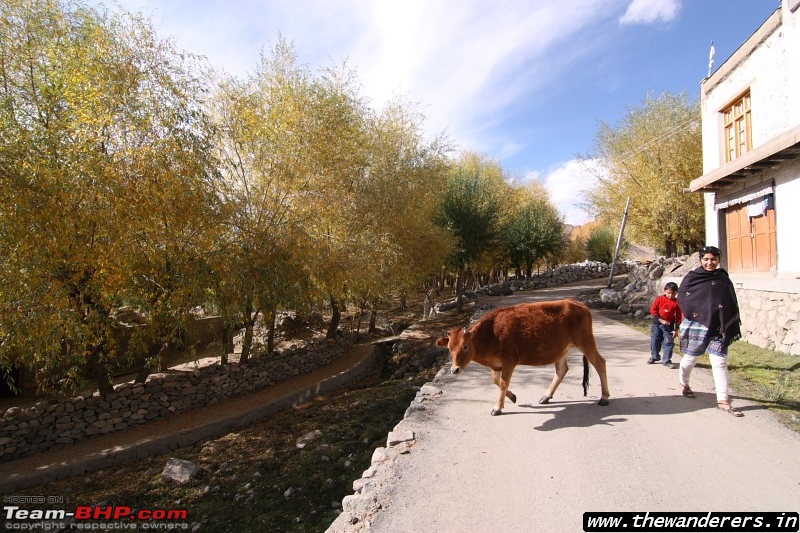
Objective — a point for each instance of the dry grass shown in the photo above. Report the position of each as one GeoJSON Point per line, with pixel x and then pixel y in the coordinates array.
{"type": "Point", "coordinates": [257, 479]}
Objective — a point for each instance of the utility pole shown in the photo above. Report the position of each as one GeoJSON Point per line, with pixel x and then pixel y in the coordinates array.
{"type": "Point", "coordinates": [619, 241]}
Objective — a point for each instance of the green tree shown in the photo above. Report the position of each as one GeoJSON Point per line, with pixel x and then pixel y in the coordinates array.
{"type": "Point", "coordinates": [651, 156]}
{"type": "Point", "coordinates": [534, 231]}
{"type": "Point", "coordinates": [470, 209]}
{"type": "Point", "coordinates": [601, 245]}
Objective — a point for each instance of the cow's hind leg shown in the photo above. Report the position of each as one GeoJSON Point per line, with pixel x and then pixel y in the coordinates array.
{"type": "Point", "coordinates": [561, 371]}
{"type": "Point", "coordinates": [599, 363]}
{"type": "Point", "coordinates": [502, 378]}
{"type": "Point", "coordinates": [591, 353]}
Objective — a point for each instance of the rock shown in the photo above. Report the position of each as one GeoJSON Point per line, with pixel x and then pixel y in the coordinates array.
{"type": "Point", "coordinates": [179, 470]}
{"type": "Point", "coordinates": [609, 296]}
{"type": "Point", "coordinates": [359, 503]}
{"type": "Point", "coordinates": [303, 441]}
{"type": "Point", "coordinates": [499, 290]}
{"type": "Point", "coordinates": [656, 273]}
{"type": "Point", "coordinates": [379, 456]}
{"type": "Point", "coordinates": [396, 437]}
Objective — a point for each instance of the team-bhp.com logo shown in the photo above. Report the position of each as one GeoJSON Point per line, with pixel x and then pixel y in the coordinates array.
{"type": "Point", "coordinates": [94, 517]}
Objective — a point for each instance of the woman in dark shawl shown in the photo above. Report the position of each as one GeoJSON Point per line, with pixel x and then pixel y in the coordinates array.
{"type": "Point", "coordinates": [711, 323]}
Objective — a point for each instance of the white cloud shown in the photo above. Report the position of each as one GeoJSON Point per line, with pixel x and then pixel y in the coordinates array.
{"type": "Point", "coordinates": [449, 54]}
{"type": "Point", "coordinates": [465, 61]}
{"type": "Point", "coordinates": [568, 185]}
{"type": "Point", "coordinates": [470, 65]}
{"type": "Point", "coordinates": [650, 11]}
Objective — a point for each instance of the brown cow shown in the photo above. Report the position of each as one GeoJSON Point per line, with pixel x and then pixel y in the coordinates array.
{"type": "Point", "coordinates": [528, 334]}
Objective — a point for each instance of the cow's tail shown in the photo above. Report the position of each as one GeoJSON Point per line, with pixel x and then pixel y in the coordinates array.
{"type": "Point", "coordinates": [585, 376]}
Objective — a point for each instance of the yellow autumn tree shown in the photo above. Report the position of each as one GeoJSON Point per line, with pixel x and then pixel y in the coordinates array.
{"type": "Point", "coordinates": [103, 169]}
{"type": "Point", "coordinates": [651, 155]}
{"type": "Point", "coordinates": [265, 128]}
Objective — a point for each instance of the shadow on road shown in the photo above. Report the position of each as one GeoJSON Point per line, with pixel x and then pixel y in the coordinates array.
{"type": "Point", "coordinates": [587, 413]}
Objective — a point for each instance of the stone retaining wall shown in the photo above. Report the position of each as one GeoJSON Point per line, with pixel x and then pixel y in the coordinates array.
{"type": "Point", "coordinates": [561, 276]}
{"type": "Point", "coordinates": [551, 278]}
{"type": "Point", "coordinates": [24, 431]}
{"type": "Point", "coordinates": [770, 318]}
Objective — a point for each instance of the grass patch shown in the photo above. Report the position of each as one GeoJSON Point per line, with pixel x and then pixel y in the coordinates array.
{"type": "Point", "coordinates": [765, 376]}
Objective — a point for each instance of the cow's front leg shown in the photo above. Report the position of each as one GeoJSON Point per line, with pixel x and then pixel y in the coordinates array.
{"type": "Point", "coordinates": [502, 378]}
{"type": "Point", "coordinates": [561, 371]}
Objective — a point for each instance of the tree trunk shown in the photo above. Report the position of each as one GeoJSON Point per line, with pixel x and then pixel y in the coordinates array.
{"type": "Point", "coordinates": [460, 292]}
{"type": "Point", "coordinates": [362, 305]}
{"type": "Point", "coordinates": [373, 317]}
{"type": "Point", "coordinates": [430, 296]}
{"type": "Point", "coordinates": [249, 323]}
{"type": "Point", "coordinates": [336, 315]}
{"type": "Point", "coordinates": [271, 335]}
{"type": "Point", "coordinates": [247, 341]}
{"type": "Point", "coordinates": [227, 342]}
{"type": "Point", "coordinates": [146, 368]}
{"type": "Point", "coordinates": [100, 374]}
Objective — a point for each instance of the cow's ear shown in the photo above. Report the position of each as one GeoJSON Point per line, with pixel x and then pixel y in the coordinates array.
{"type": "Point", "coordinates": [442, 341]}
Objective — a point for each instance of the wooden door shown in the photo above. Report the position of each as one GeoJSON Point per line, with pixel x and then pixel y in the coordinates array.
{"type": "Point", "coordinates": [751, 240]}
{"type": "Point", "coordinates": [764, 240]}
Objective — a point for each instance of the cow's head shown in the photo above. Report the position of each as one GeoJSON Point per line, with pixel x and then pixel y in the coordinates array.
{"type": "Point", "coordinates": [459, 342]}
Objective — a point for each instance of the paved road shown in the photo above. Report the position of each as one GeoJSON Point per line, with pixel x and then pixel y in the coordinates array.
{"type": "Point", "coordinates": [537, 468]}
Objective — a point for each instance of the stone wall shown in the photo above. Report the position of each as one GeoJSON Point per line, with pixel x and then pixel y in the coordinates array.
{"type": "Point", "coordinates": [635, 294]}
{"type": "Point", "coordinates": [551, 278]}
{"type": "Point", "coordinates": [24, 431]}
{"type": "Point", "coordinates": [770, 318]}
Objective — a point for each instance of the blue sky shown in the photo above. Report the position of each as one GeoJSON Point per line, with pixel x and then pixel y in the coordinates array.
{"type": "Point", "coordinates": [525, 82]}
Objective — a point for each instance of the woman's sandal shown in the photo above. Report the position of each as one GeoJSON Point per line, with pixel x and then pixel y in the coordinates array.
{"type": "Point", "coordinates": [688, 392]}
{"type": "Point", "coordinates": [728, 408]}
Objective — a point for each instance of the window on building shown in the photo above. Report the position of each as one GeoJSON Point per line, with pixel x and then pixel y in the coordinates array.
{"type": "Point", "coordinates": [738, 129]}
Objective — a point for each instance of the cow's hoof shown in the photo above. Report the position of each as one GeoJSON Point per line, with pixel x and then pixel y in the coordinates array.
{"type": "Point", "coordinates": [454, 370]}
{"type": "Point", "coordinates": [496, 412]}
{"type": "Point", "coordinates": [511, 396]}
{"type": "Point", "coordinates": [545, 399]}
{"type": "Point", "coordinates": [603, 401]}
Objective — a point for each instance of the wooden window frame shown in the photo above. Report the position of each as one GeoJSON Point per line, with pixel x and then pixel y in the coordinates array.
{"type": "Point", "coordinates": [737, 127]}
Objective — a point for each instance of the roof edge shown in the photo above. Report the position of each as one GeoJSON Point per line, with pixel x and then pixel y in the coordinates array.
{"type": "Point", "coordinates": [766, 150]}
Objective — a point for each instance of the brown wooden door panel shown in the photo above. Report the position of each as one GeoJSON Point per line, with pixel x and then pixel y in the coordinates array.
{"type": "Point", "coordinates": [734, 240]}
{"type": "Point", "coordinates": [751, 241]}
{"type": "Point", "coordinates": [764, 240]}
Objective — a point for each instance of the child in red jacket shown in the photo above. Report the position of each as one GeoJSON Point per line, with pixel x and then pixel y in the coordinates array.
{"type": "Point", "coordinates": [666, 318]}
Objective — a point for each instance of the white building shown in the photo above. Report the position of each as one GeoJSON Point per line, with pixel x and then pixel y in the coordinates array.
{"type": "Point", "coordinates": [751, 182]}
